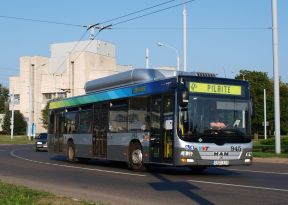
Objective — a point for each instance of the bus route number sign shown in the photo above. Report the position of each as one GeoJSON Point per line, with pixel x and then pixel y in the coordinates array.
{"type": "Point", "coordinates": [212, 88]}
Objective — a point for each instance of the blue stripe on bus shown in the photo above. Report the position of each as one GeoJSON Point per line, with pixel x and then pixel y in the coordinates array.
{"type": "Point", "coordinates": [149, 88]}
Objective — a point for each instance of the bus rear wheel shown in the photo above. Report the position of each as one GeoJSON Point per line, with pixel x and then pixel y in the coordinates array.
{"type": "Point", "coordinates": [136, 157]}
{"type": "Point", "coordinates": [71, 152]}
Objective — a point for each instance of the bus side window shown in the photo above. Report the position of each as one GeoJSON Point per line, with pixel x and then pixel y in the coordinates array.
{"type": "Point", "coordinates": [85, 121]}
{"type": "Point", "coordinates": [138, 117]}
{"type": "Point", "coordinates": [118, 116]}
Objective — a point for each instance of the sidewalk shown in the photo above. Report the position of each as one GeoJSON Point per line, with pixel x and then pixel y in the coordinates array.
{"type": "Point", "coordinates": [271, 160]}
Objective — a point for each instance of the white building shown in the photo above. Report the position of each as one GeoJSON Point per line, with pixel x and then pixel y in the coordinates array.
{"type": "Point", "coordinates": [64, 74]}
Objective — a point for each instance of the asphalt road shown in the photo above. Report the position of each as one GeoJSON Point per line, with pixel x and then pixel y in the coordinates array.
{"type": "Point", "coordinates": [113, 183]}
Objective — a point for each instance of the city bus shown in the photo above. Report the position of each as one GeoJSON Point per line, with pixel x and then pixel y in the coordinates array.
{"type": "Point", "coordinates": [148, 116]}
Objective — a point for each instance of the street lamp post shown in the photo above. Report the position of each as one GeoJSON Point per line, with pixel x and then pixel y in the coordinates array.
{"type": "Point", "coordinates": [31, 123]}
{"type": "Point", "coordinates": [176, 51]}
{"type": "Point", "coordinates": [31, 89]}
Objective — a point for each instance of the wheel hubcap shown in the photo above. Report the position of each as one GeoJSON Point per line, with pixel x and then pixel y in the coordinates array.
{"type": "Point", "coordinates": [137, 156]}
{"type": "Point", "coordinates": [70, 153]}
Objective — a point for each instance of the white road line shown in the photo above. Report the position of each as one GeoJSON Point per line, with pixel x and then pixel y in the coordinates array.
{"type": "Point", "coordinates": [238, 185]}
{"type": "Point", "coordinates": [3, 150]}
{"type": "Point", "coordinates": [255, 171]}
{"type": "Point", "coordinates": [73, 167]}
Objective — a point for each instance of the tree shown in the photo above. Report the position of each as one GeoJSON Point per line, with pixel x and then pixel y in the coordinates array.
{"type": "Point", "coordinates": [4, 93]}
{"type": "Point", "coordinates": [284, 108]}
{"type": "Point", "coordinates": [6, 123]}
{"type": "Point", "coordinates": [44, 119]}
{"type": "Point", "coordinates": [19, 123]}
{"type": "Point", "coordinates": [258, 82]}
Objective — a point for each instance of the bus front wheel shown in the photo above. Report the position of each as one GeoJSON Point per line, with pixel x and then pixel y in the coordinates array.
{"type": "Point", "coordinates": [136, 157]}
{"type": "Point", "coordinates": [70, 152]}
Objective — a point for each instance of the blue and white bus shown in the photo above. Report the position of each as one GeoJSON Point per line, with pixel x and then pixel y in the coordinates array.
{"type": "Point", "coordinates": [147, 116]}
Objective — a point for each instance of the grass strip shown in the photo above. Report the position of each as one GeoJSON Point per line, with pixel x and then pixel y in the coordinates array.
{"type": "Point", "coordinates": [6, 139]}
{"type": "Point", "coordinates": [19, 195]}
{"type": "Point", "coordinates": [269, 154]}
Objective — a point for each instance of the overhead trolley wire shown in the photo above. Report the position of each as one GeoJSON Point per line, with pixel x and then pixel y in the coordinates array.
{"type": "Point", "coordinates": [153, 12]}
{"type": "Point", "coordinates": [135, 12]}
{"type": "Point", "coordinates": [101, 28]}
{"type": "Point", "coordinates": [42, 21]}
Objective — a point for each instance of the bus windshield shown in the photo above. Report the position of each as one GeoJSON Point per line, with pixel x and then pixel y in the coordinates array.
{"type": "Point", "coordinates": [214, 120]}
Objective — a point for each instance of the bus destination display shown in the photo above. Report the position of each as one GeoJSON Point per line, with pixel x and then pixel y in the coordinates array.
{"type": "Point", "coordinates": [215, 88]}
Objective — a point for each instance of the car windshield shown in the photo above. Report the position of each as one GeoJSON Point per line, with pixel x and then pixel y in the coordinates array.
{"type": "Point", "coordinates": [42, 136]}
{"type": "Point", "coordinates": [211, 119]}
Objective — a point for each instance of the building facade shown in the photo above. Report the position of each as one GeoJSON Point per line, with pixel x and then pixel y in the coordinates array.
{"type": "Point", "coordinates": [64, 74]}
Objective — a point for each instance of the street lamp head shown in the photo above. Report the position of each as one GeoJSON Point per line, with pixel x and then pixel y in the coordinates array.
{"type": "Point", "coordinates": [160, 44]}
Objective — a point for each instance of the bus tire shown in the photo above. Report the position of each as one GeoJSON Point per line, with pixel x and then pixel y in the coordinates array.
{"type": "Point", "coordinates": [71, 152]}
{"type": "Point", "coordinates": [136, 157]}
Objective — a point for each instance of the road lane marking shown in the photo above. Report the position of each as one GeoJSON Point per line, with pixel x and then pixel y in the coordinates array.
{"type": "Point", "coordinates": [3, 150]}
{"type": "Point", "coordinates": [12, 153]}
{"type": "Point", "coordinates": [255, 171]}
{"type": "Point", "coordinates": [239, 185]}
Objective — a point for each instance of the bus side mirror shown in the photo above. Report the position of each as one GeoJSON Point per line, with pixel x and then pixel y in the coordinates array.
{"type": "Point", "coordinates": [183, 97]}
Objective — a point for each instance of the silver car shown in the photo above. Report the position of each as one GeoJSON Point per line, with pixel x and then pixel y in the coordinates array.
{"type": "Point", "coordinates": [41, 142]}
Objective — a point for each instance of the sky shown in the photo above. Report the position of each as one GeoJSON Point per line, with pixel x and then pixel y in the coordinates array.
{"type": "Point", "coordinates": [223, 36]}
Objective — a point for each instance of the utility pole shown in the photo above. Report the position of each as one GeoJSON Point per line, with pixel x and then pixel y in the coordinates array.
{"type": "Point", "coordinates": [12, 117]}
{"type": "Point", "coordinates": [265, 116]}
{"type": "Point", "coordinates": [276, 77]}
{"type": "Point", "coordinates": [31, 109]}
{"type": "Point", "coordinates": [72, 78]}
{"type": "Point", "coordinates": [184, 37]}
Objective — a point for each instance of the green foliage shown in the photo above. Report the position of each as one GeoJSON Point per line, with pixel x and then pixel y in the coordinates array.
{"type": "Point", "coordinates": [13, 194]}
{"type": "Point", "coordinates": [268, 146]}
{"type": "Point", "coordinates": [258, 82]}
{"type": "Point", "coordinates": [19, 123]}
{"type": "Point", "coordinates": [6, 122]}
{"type": "Point", "coordinates": [44, 119]}
{"type": "Point", "coordinates": [3, 98]}
{"type": "Point", "coordinates": [19, 139]}
{"type": "Point", "coordinates": [284, 108]}
{"type": "Point", "coordinates": [271, 141]}
{"type": "Point", "coordinates": [269, 155]}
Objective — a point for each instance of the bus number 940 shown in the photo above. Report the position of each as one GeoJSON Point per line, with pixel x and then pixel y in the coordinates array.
{"type": "Point", "coordinates": [236, 148]}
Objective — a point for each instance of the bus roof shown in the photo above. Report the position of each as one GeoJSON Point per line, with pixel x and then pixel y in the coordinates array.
{"type": "Point", "coordinates": [127, 78]}
{"type": "Point", "coordinates": [128, 84]}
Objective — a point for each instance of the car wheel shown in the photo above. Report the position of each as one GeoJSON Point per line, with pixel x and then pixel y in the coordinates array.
{"type": "Point", "coordinates": [136, 157]}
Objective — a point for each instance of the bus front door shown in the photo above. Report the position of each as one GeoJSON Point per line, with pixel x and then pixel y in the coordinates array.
{"type": "Point", "coordinates": [101, 124]}
{"type": "Point", "coordinates": [58, 140]}
{"type": "Point", "coordinates": [161, 142]}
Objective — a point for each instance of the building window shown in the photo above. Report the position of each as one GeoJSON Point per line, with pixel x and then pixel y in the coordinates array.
{"type": "Point", "coordinates": [48, 96]}
{"type": "Point", "coordinates": [16, 99]}
{"type": "Point", "coordinates": [61, 95]}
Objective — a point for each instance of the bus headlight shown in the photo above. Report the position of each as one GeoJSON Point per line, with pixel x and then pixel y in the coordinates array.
{"type": "Point", "coordinates": [248, 154]}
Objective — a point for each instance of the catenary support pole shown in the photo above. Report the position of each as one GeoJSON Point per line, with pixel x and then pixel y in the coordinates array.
{"type": "Point", "coordinates": [265, 116]}
{"type": "Point", "coordinates": [184, 36]}
{"type": "Point", "coordinates": [276, 77]}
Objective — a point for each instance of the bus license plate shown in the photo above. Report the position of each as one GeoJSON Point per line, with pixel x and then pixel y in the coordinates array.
{"type": "Point", "coordinates": [220, 162]}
